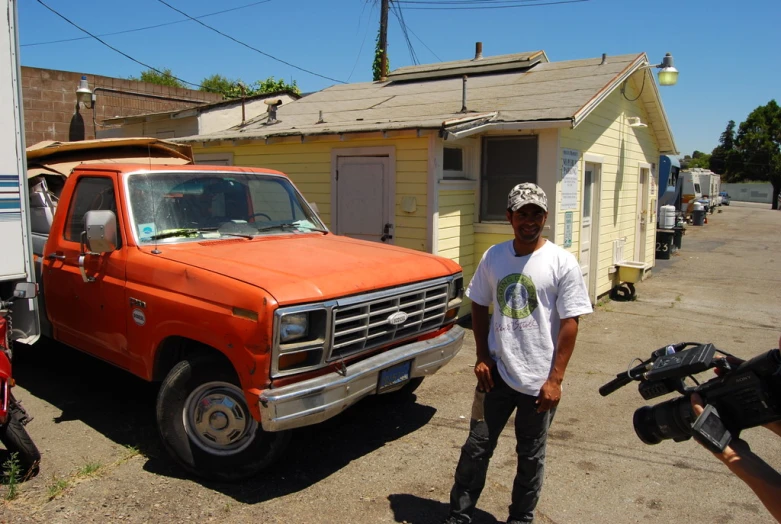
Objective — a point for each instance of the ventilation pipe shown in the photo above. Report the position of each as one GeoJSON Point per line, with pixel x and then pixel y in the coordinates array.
{"type": "Point", "coordinates": [272, 110]}
{"type": "Point", "coordinates": [463, 96]}
{"type": "Point", "coordinates": [604, 59]}
{"type": "Point", "coordinates": [478, 50]}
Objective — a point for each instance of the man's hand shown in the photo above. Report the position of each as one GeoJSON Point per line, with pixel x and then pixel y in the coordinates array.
{"type": "Point", "coordinates": [483, 369]}
{"type": "Point", "coordinates": [550, 395]}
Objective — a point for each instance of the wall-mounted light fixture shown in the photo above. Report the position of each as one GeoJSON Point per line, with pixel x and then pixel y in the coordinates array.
{"type": "Point", "coordinates": [84, 94]}
{"type": "Point", "coordinates": [634, 121]}
{"type": "Point", "coordinates": [668, 75]}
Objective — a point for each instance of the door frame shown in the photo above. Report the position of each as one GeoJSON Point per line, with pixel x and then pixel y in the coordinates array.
{"type": "Point", "coordinates": [596, 203]}
{"type": "Point", "coordinates": [643, 199]}
{"type": "Point", "coordinates": [389, 190]}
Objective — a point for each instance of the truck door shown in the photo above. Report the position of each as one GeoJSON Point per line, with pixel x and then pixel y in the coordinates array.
{"type": "Point", "coordinates": [91, 314]}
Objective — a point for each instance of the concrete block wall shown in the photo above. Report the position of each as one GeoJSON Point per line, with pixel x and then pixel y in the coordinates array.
{"type": "Point", "coordinates": [51, 112]}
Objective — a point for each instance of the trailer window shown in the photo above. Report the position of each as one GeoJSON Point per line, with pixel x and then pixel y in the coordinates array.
{"type": "Point", "coordinates": [697, 188]}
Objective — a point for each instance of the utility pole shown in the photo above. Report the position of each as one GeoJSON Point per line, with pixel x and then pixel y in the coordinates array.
{"type": "Point", "coordinates": [384, 7]}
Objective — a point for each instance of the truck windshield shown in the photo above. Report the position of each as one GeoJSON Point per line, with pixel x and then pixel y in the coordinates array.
{"type": "Point", "coordinates": [188, 205]}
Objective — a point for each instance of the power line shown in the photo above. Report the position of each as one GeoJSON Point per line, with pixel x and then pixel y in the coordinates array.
{"type": "Point", "coordinates": [147, 27]}
{"type": "Point", "coordinates": [400, 17]}
{"type": "Point", "coordinates": [424, 44]}
{"type": "Point", "coordinates": [360, 50]}
{"type": "Point", "coordinates": [478, 5]}
{"type": "Point", "coordinates": [114, 48]}
{"type": "Point", "coordinates": [249, 46]}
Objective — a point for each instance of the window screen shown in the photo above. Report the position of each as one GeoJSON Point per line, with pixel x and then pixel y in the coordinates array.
{"type": "Point", "coordinates": [507, 161]}
{"type": "Point", "coordinates": [92, 194]}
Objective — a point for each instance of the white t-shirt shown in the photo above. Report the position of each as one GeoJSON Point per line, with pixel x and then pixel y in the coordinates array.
{"type": "Point", "coordinates": [530, 295]}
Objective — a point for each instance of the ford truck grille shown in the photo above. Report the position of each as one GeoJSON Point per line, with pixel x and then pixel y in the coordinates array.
{"type": "Point", "coordinates": [373, 323]}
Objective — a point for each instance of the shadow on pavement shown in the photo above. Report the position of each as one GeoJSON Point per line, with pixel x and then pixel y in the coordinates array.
{"type": "Point", "coordinates": [417, 510]}
{"type": "Point", "coordinates": [121, 407]}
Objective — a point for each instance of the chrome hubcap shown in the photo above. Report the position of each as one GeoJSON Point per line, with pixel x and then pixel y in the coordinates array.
{"type": "Point", "coordinates": [217, 420]}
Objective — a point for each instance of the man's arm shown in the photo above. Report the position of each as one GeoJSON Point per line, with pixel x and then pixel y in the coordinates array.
{"type": "Point", "coordinates": [550, 393]}
{"type": "Point", "coordinates": [481, 323]}
{"type": "Point", "coordinates": [763, 480]}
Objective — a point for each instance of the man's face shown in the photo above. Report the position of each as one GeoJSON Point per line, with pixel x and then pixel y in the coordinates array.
{"type": "Point", "coordinates": [527, 223]}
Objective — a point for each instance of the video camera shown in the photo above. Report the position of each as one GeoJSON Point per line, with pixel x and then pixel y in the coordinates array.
{"type": "Point", "coordinates": [743, 395]}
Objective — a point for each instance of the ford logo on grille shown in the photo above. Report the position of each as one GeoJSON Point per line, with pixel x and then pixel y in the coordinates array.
{"type": "Point", "coordinates": [397, 318]}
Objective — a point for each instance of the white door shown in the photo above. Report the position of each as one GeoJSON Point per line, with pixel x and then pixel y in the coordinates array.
{"type": "Point", "coordinates": [642, 215]}
{"type": "Point", "coordinates": [363, 189]}
{"type": "Point", "coordinates": [589, 227]}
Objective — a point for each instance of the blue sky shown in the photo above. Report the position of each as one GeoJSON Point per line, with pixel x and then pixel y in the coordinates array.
{"type": "Point", "coordinates": [726, 51]}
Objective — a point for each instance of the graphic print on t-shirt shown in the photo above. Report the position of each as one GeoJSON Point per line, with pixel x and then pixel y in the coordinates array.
{"type": "Point", "coordinates": [517, 296]}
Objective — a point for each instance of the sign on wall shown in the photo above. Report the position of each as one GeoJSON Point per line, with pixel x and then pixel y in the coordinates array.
{"type": "Point", "coordinates": [569, 178]}
{"type": "Point", "coordinates": [568, 229]}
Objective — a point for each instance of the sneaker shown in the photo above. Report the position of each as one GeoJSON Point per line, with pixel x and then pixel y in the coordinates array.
{"type": "Point", "coordinates": [456, 519]}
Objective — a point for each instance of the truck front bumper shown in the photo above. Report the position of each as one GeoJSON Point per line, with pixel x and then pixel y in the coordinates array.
{"type": "Point", "coordinates": [315, 400]}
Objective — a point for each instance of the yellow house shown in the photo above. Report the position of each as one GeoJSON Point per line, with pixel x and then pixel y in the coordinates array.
{"type": "Point", "coordinates": [425, 159]}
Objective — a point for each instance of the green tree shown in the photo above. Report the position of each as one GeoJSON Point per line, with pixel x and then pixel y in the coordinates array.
{"type": "Point", "coordinates": [758, 143]}
{"type": "Point", "coordinates": [700, 159]}
{"type": "Point", "coordinates": [232, 88]}
{"type": "Point", "coordinates": [724, 155]}
{"type": "Point", "coordinates": [377, 65]}
{"type": "Point", "coordinates": [164, 78]}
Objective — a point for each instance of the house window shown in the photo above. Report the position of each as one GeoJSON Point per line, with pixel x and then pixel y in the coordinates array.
{"type": "Point", "coordinates": [507, 161]}
{"type": "Point", "coordinates": [453, 162]}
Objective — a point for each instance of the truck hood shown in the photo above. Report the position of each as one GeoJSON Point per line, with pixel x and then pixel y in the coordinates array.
{"type": "Point", "coordinates": [306, 268]}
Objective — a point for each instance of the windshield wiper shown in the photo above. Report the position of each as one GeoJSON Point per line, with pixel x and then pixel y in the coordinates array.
{"type": "Point", "coordinates": [297, 227]}
{"type": "Point", "coordinates": [182, 232]}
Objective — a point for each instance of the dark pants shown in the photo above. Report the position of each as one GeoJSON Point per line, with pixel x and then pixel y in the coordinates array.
{"type": "Point", "coordinates": [489, 418]}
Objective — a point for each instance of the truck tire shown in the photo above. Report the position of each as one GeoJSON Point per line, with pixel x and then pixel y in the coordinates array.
{"type": "Point", "coordinates": [206, 426]}
{"type": "Point", "coordinates": [16, 440]}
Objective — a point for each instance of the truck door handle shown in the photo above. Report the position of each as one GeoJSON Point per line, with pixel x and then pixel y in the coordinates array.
{"type": "Point", "coordinates": [55, 256]}
{"type": "Point", "coordinates": [386, 233]}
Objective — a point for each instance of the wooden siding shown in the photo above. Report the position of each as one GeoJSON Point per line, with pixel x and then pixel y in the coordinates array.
{"type": "Point", "coordinates": [606, 133]}
{"type": "Point", "coordinates": [308, 165]}
{"type": "Point", "coordinates": [456, 229]}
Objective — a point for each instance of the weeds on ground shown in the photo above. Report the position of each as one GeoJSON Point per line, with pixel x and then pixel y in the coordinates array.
{"type": "Point", "coordinates": [130, 452]}
{"type": "Point", "coordinates": [56, 487]}
{"type": "Point", "coordinates": [88, 469]}
{"type": "Point", "coordinates": [604, 304]}
{"type": "Point", "coordinates": [11, 476]}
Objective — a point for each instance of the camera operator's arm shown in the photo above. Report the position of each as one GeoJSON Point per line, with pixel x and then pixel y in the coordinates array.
{"type": "Point", "coordinates": [763, 480]}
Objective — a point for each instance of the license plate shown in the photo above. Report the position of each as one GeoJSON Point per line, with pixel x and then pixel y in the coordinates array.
{"type": "Point", "coordinates": [393, 376]}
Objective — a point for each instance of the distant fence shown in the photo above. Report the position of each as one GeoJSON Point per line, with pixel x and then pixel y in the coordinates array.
{"type": "Point", "coordinates": [762, 193]}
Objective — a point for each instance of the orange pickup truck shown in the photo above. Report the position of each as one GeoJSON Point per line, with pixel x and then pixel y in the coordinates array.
{"type": "Point", "coordinates": [223, 284]}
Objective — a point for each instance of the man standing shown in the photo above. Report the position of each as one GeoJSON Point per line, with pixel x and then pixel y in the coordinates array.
{"type": "Point", "coordinates": [538, 293]}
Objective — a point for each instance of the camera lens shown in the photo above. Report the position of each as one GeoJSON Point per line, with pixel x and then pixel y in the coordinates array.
{"type": "Point", "coordinates": [667, 420]}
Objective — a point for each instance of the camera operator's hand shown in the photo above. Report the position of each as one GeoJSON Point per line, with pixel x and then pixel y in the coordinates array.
{"type": "Point", "coordinates": [755, 472]}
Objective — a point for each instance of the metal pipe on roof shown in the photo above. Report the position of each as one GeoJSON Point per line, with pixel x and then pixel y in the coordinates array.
{"type": "Point", "coordinates": [478, 50]}
{"type": "Point", "coordinates": [463, 96]}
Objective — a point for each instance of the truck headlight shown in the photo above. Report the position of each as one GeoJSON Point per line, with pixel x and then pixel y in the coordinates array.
{"type": "Point", "coordinates": [294, 326]}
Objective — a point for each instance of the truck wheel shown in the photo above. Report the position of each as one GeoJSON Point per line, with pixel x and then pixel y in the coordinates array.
{"type": "Point", "coordinates": [207, 427]}
{"type": "Point", "coordinates": [16, 440]}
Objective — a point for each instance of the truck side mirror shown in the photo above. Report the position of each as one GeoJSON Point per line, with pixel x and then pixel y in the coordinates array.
{"type": "Point", "coordinates": [101, 231]}
{"type": "Point", "coordinates": [26, 290]}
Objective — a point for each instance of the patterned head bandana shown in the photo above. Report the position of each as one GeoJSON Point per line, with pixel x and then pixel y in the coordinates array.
{"type": "Point", "coordinates": [526, 193]}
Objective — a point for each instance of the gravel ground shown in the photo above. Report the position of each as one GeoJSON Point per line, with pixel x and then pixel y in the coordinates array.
{"type": "Point", "coordinates": [387, 460]}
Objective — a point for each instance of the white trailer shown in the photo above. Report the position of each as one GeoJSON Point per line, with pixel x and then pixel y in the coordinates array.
{"type": "Point", "coordinates": [16, 263]}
